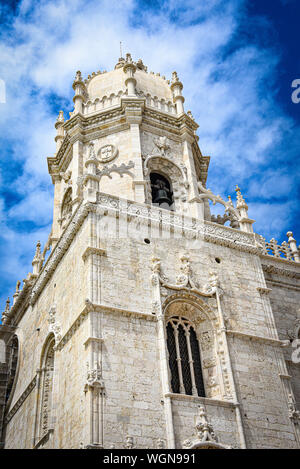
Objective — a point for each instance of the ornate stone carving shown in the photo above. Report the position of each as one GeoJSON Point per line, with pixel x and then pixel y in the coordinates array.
{"type": "Point", "coordinates": [162, 144]}
{"type": "Point", "coordinates": [205, 434]}
{"type": "Point", "coordinates": [54, 325]}
{"type": "Point", "coordinates": [122, 169]}
{"type": "Point", "coordinates": [107, 153]}
{"type": "Point", "coordinates": [128, 442]}
{"type": "Point", "coordinates": [94, 379]}
{"type": "Point", "coordinates": [185, 281]}
{"type": "Point", "coordinates": [294, 414]}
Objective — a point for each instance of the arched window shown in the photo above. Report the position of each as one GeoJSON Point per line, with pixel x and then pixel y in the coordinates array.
{"type": "Point", "coordinates": [184, 357]}
{"type": "Point", "coordinates": [162, 194]}
{"type": "Point", "coordinates": [46, 387]}
{"type": "Point", "coordinates": [13, 354]}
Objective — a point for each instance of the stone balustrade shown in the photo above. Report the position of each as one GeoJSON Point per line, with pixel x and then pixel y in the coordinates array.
{"type": "Point", "coordinates": [286, 250]}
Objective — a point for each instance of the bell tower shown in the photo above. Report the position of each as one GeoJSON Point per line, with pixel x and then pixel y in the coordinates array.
{"type": "Point", "coordinates": [150, 324]}
{"type": "Point", "coordinates": [128, 136]}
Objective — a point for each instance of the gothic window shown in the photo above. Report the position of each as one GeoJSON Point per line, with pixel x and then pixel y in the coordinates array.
{"type": "Point", "coordinates": [13, 353]}
{"type": "Point", "coordinates": [184, 357]}
{"type": "Point", "coordinates": [47, 387]}
{"type": "Point", "coordinates": [161, 191]}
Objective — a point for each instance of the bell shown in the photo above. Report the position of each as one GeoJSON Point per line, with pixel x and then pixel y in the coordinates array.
{"type": "Point", "coordinates": [162, 197]}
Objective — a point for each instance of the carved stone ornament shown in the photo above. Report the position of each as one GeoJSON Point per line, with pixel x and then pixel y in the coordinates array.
{"type": "Point", "coordinates": [54, 326]}
{"type": "Point", "coordinates": [206, 438]}
{"type": "Point", "coordinates": [93, 379]}
{"type": "Point", "coordinates": [184, 280]}
{"type": "Point", "coordinates": [294, 414]}
{"type": "Point", "coordinates": [107, 153]}
{"type": "Point", "coordinates": [162, 144]}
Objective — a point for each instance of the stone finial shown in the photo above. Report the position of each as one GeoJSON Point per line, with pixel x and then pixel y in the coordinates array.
{"type": "Point", "coordinates": [189, 113]}
{"type": "Point", "coordinates": [5, 313]}
{"type": "Point", "coordinates": [79, 88]}
{"type": "Point", "coordinates": [129, 69]}
{"type": "Point", "coordinates": [120, 63]}
{"type": "Point", "coordinates": [244, 221]}
{"type": "Point", "coordinates": [175, 78]}
{"type": "Point", "coordinates": [92, 162]}
{"type": "Point", "coordinates": [37, 259]}
{"type": "Point", "coordinates": [128, 58]}
{"type": "Point", "coordinates": [78, 77]}
{"type": "Point", "coordinates": [240, 199]}
{"type": "Point", "coordinates": [204, 428]}
{"type": "Point", "coordinates": [60, 117]}
{"type": "Point", "coordinates": [140, 65]}
{"type": "Point", "coordinates": [293, 246]}
{"type": "Point", "coordinates": [176, 87]}
{"type": "Point", "coordinates": [17, 292]}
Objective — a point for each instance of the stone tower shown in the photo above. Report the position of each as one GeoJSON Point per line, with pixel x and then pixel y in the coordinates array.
{"type": "Point", "coordinates": [152, 323]}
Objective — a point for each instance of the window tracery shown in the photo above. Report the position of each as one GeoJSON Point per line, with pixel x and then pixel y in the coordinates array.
{"type": "Point", "coordinates": [184, 357]}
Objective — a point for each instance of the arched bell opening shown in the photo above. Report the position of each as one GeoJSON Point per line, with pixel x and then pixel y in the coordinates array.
{"type": "Point", "coordinates": [161, 191]}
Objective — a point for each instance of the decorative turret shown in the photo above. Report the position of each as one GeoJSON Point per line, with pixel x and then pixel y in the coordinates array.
{"type": "Point", "coordinates": [245, 222]}
{"type": "Point", "coordinates": [37, 259]}
{"type": "Point", "coordinates": [176, 87]}
{"type": "Point", "coordinates": [79, 89]}
{"type": "Point", "coordinates": [129, 69]}
{"type": "Point", "coordinates": [59, 125]}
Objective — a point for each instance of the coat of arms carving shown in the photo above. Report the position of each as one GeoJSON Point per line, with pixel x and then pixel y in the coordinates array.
{"type": "Point", "coordinates": [107, 153]}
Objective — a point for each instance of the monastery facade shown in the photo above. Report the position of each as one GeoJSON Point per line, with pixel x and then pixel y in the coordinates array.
{"type": "Point", "coordinates": [147, 321]}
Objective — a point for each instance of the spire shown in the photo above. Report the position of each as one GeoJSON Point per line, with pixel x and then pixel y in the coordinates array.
{"type": "Point", "coordinates": [240, 199]}
{"type": "Point", "coordinates": [79, 88]}
{"type": "Point", "coordinates": [244, 221]}
{"type": "Point", "coordinates": [129, 69]}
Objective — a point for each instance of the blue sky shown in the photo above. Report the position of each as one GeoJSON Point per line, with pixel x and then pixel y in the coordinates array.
{"type": "Point", "coordinates": [236, 59]}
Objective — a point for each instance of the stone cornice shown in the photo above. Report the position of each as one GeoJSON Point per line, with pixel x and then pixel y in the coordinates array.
{"type": "Point", "coordinates": [204, 400]}
{"type": "Point", "coordinates": [256, 338]}
{"type": "Point", "coordinates": [99, 308]}
{"type": "Point", "coordinates": [207, 231]}
{"type": "Point", "coordinates": [281, 267]}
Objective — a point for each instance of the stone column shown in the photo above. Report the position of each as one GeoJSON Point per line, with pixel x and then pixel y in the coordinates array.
{"type": "Point", "coordinates": [79, 88]}
{"type": "Point", "coordinates": [162, 340]}
{"type": "Point", "coordinates": [77, 169]}
{"type": "Point", "coordinates": [57, 180]}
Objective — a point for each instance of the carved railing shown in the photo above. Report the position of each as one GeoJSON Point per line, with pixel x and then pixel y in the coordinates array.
{"type": "Point", "coordinates": [115, 100]}
{"type": "Point", "coordinates": [286, 250]}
